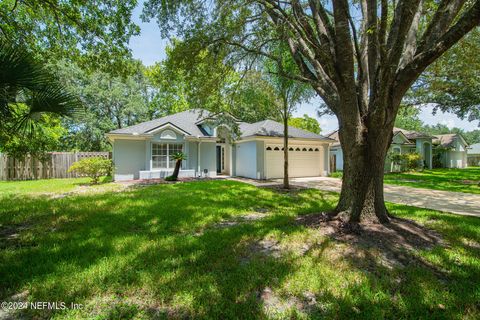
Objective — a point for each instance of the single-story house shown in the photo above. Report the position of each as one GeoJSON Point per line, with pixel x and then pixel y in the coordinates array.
{"type": "Point", "coordinates": [449, 150]}
{"type": "Point", "coordinates": [473, 155]}
{"type": "Point", "coordinates": [143, 151]}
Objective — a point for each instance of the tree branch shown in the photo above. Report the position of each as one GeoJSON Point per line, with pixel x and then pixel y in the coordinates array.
{"type": "Point", "coordinates": [443, 17]}
{"type": "Point", "coordinates": [406, 76]}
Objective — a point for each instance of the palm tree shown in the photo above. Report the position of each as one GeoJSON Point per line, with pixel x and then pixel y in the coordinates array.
{"type": "Point", "coordinates": [178, 157]}
{"type": "Point", "coordinates": [28, 90]}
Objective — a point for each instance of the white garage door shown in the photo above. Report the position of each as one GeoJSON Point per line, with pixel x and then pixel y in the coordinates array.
{"type": "Point", "coordinates": [303, 161]}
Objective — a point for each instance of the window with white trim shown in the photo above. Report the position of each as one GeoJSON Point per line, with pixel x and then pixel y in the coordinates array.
{"type": "Point", "coordinates": [162, 155]}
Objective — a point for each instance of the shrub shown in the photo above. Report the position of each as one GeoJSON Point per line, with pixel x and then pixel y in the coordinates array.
{"type": "Point", "coordinates": [413, 160]}
{"type": "Point", "coordinates": [336, 174]}
{"type": "Point", "coordinates": [406, 161]}
{"type": "Point", "coordinates": [170, 178]}
{"type": "Point", "coordinates": [92, 167]}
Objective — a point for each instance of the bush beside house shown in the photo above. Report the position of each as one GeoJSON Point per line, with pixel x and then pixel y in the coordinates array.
{"type": "Point", "coordinates": [406, 161]}
{"type": "Point", "coordinates": [92, 167]}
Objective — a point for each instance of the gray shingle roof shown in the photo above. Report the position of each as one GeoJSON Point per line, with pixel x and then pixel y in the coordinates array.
{"type": "Point", "coordinates": [411, 135]}
{"type": "Point", "coordinates": [188, 121]}
{"type": "Point", "coordinates": [446, 140]}
{"type": "Point", "coordinates": [270, 128]}
{"type": "Point", "coordinates": [185, 121]}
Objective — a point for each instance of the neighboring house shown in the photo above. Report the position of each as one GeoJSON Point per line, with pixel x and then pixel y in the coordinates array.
{"type": "Point", "coordinates": [473, 155]}
{"type": "Point", "coordinates": [143, 151]}
{"type": "Point", "coordinates": [451, 150]}
{"type": "Point", "coordinates": [403, 141]}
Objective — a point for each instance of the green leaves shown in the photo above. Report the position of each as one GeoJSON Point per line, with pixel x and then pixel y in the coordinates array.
{"type": "Point", "coordinates": [179, 156]}
{"type": "Point", "coordinates": [453, 82]}
{"type": "Point", "coordinates": [306, 123]}
{"type": "Point", "coordinates": [111, 102]}
{"type": "Point", "coordinates": [92, 167]}
{"type": "Point", "coordinates": [193, 77]}
{"type": "Point", "coordinates": [88, 32]}
{"type": "Point", "coordinates": [28, 90]}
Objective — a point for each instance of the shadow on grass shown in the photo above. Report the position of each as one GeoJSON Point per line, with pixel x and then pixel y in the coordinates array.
{"type": "Point", "coordinates": [150, 244]}
{"type": "Point", "coordinates": [155, 252]}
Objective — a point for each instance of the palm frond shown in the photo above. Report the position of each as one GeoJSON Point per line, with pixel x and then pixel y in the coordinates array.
{"type": "Point", "coordinates": [24, 80]}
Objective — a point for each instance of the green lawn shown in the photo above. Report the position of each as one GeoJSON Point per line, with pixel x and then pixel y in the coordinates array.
{"type": "Point", "coordinates": [162, 252]}
{"type": "Point", "coordinates": [52, 186]}
{"type": "Point", "coordinates": [459, 180]}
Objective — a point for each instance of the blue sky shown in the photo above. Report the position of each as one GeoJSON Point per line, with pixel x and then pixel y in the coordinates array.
{"type": "Point", "coordinates": [149, 47]}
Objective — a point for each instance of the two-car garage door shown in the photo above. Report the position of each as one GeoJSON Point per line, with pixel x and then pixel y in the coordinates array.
{"type": "Point", "coordinates": [303, 161]}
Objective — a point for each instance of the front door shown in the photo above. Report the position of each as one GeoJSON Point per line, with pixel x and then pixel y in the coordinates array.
{"type": "Point", "coordinates": [219, 159]}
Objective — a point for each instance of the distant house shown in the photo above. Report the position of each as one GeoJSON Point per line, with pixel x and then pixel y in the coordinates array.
{"type": "Point", "coordinates": [473, 155]}
{"type": "Point", "coordinates": [449, 150]}
{"type": "Point", "coordinates": [143, 151]}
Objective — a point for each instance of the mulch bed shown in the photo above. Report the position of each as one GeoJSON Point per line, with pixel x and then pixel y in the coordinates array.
{"type": "Point", "coordinates": [397, 241]}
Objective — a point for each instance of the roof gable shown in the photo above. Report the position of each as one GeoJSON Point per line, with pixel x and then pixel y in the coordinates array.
{"type": "Point", "coordinates": [183, 121]}
{"type": "Point", "coordinates": [448, 140]}
{"type": "Point", "coordinates": [168, 125]}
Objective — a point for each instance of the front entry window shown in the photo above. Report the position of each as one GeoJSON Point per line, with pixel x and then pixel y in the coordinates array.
{"type": "Point", "coordinates": [161, 155]}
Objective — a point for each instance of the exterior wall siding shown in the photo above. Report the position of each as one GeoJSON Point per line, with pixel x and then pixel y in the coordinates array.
{"type": "Point", "coordinates": [326, 160]}
{"type": "Point", "coordinates": [455, 159]}
{"type": "Point", "coordinates": [129, 159]}
{"type": "Point", "coordinates": [260, 172]}
{"type": "Point", "coordinates": [246, 164]}
{"type": "Point", "coordinates": [208, 158]}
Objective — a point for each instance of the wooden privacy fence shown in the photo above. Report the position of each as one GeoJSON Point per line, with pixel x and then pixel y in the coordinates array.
{"type": "Point", "coordinates": [55, 165]}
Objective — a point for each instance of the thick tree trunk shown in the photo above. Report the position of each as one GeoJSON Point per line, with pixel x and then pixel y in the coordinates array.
{"type": "Point", "coordinates": [286, 183]}
{"type": "Point", "coordinates": [364, 152]}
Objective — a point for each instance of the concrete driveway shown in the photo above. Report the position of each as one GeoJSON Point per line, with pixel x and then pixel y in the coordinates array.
{"type": "Point", "coordinates": [455, 202]}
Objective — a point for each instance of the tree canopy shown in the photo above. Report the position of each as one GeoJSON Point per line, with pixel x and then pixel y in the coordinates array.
{"type": "Point", "coordinates": [111, 102]}
{"type": "Point", "coordinates": [84, 31]}
{"type": "Point", "coordinates": [305, 123]}
{"type": "Point", "coordinates": [206, 81]}
{"type": "Point", "coordinates": [452, 83]}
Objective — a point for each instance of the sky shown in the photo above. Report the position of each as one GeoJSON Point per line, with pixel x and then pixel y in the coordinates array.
{"type": "Point", "coordinates": [149, 47]}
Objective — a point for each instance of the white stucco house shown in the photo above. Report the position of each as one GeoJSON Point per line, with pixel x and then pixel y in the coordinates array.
{"type": "Point", "coordinates": [447, 150]}
{"type": "Point", "coordinates": [451, 150]}
{"type": "Point", "coordinates": [143, 151]}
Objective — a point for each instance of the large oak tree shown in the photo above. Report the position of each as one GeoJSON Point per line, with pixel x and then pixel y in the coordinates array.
{"type": "Point", "coordinates": [361, 57]}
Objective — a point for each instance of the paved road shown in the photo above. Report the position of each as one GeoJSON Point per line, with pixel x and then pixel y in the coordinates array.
{"type": "Point", "coordinates": [455, 202]}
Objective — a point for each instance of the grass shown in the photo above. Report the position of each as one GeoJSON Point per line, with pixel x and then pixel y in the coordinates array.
{"type": "Point", "coordinates": [50, 186]}
{"type": "Point", "coordinates": [158, 252]}
{"type": "Point", "coordinates": [458, 180]}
